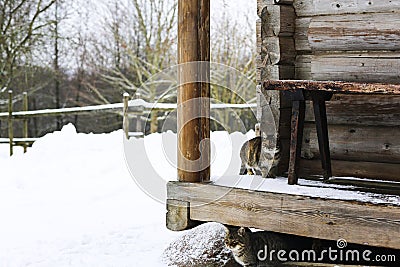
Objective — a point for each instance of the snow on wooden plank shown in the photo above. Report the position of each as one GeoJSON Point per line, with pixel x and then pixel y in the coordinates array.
{"type": "Point", "coordinates": [356, 221]}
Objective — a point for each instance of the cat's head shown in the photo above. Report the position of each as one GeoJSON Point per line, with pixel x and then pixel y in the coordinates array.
{"type": "Point", "coordinates": [236, 237]}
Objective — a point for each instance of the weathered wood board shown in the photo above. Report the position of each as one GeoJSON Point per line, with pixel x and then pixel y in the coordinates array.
{"type": "Point", "coordinates": [355, 32]}
{"type": "Point", "coordinates": [356, 143]}
{"type": "Point", "coordinates": [320, 218]}
{"type": "Point", "coordinates": [360, 169]}
{"type": "Point", "coordinates": [341, 40]}
{"type": "Point", "coordinates": [357, 67]}
{"type": "Point", "coordinates": [327, 7]}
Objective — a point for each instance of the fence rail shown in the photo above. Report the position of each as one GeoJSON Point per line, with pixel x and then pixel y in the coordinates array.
{"type": "Point", "coordinates": [125, 109]}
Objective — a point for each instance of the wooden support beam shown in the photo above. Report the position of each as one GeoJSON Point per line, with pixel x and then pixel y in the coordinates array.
{"type": "Point", "coordinates": [335, 87]}
{"type": "Point", "coordinates": [178, 215]}
{"type": "Point", "coordinates": [194, 91]}
{"type": "Point", "coordinates": [25, 128]}
{"type": "Point", "coordinates": [357, 222]}
{"type": "Point", "coordinates": [125, 123]}
{"type": "Point", "coordinates": [10, 121]}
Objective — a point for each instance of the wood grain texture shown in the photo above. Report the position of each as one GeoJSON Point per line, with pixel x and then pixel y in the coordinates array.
{"type": "Point", "coordinates": [178, 215]}
{"type": "Point", "coordinates": [193, 97]}
{"type": "Point", "coordinates": [335, 87]}
{"type": "Point", "coordinates": [361, 110]}
{"type": "Point", "coordinates": [301, 34]}
{"type": "Point", "coordinates": [318, 7]}
{"type": "Point", "coordinates": [360, 169]}
{"type": "Point", "coordinates": [300, 215]}
{"type": "Point", "coordinates": [355, 32]}
{"type": "Point", "coordinates": [356, 143]}
{"type": "Point", "coordinates": [360, 67]}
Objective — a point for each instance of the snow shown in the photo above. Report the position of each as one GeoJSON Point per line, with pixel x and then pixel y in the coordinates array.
{"type": "Point", "coordinates": [72, 199]}
{"type": "Point", "coordinates": [202, 246]}
{"type": "Point", "coordinates": [304, 188]}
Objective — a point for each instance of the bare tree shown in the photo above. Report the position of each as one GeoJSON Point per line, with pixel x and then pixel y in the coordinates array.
{"type": "Point", "coordinates": [20, 26]}
{"type": "Point", "coordinates": [140, 38]}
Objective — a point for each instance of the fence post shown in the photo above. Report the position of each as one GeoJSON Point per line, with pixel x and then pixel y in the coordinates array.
{"type": "Point", "coordinates": [10, 121]}
{"type": "Point", "coordinates": [138, 117]}
{"type": "Point", "coordinates": [126, 117]}
{"type": "Point", "coordinates": [25, 129]}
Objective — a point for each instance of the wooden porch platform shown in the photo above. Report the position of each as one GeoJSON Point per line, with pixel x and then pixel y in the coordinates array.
{"type": "Point", "coordinates": [370, 218]}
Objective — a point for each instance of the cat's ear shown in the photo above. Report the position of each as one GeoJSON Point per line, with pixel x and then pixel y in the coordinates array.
{"type": "Point", "coordinates": [241, 231]}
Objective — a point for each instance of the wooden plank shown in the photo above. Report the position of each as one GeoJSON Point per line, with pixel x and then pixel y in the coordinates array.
{"type": "Point", "coordinates": [193, 96]}
{"type": "Point", "coordinates": [360, 169]}
{"type": "Point", "coordinates": [356, 143]}
{"type": "Point", "coordinates": [357, 222]}
{"type": "Point", "coordinates": [322, 7]}
{"type": "Point", "coordinates": [361, 110]}
{"type": "Point", "coordinates": [362, 67]}
{"type": "Point", "coordinates": [335, 87]}
{"type": "Point", "coordinates": [355, 32]}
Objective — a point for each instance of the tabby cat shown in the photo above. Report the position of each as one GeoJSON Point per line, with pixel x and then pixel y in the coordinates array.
{"type": "Point", "coordinates": [246, 245]}
{"type": "Point", "coordinates": [250, 157]}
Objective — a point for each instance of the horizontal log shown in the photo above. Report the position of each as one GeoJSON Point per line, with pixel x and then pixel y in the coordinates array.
{"type": "Point", "coordinates": [335, 87]}
{"type": "Point", "coordinates": [355, 32]}
{"type": "Point", "coordinates": [357, 110]}
{"type": "Point", "coordinates": [355, 143]}
{"type": "Point", "coordinates": [360, 169]}
{"type": "Point", "coordinates": [361, 110]}
{"type": "Point", "coordinates": [360, 67]}
{"type": "Point", "coordinates": [354, 221]}
{"type": "Point", "coordinates": [318, 7]}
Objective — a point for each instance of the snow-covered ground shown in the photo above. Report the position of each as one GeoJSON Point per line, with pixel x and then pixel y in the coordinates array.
{"type": "Point", "coordinates": [71, 201]}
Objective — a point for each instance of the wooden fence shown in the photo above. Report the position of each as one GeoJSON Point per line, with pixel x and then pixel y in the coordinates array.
{"type": "Point", "coordinates": [128, 108]}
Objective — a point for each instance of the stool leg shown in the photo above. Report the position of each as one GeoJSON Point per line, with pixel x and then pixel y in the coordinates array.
{"type": "Point", "coordinates": [322, 132]}
{"type": "Point", "coordinates": [297, 126]}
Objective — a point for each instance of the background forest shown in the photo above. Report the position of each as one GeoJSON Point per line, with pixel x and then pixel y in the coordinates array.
{"type": "Point", "coordinates": [67, 53]}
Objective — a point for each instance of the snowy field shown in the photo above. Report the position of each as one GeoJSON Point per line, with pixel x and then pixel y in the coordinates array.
{"type": "Point", "coordinates": [71, 201]}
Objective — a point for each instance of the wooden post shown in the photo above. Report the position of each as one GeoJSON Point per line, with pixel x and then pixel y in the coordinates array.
{"type": "Point", "coordinates": [193, 96]}
{"type": "Point", "coordinates": [125, 114]}
{"type": "Point", "coordinates": [10, 121]}
{"type": "Point", "coordinates": [138, 117]}
{"type": "Point", "coordinates": [25, 128]}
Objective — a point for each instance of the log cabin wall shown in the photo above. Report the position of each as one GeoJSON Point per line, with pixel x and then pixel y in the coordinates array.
{"type": "Point", "coordinates": [341, 40]}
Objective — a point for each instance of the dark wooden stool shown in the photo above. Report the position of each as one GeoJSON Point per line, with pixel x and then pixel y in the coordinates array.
{"type": "Point", "coordinates": [298, 98]}
{"type": "Point", "coordinates": [318, 92]}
